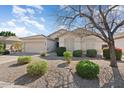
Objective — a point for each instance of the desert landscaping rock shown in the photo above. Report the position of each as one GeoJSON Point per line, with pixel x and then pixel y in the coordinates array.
{"type": "Point", "coordinates": [61, 76]}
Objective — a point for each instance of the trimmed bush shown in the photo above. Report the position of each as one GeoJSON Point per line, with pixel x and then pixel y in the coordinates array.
{"type": "Point", "coordinates": [118, 53]}
{"type": "Point", "coordinates": [6, 52]}
{"type": "Point", "coordinates": [2, 48]}
{"type": "Point", "coordinates": [77, 53]}
{"type": "Point", "coordinates": [1, 51]}
{"type": "Point", "coordinates": [24, 60]}
{"type": "Point", "coordinates": [91, 53]}
{"type": "Point", "coordinates": [37, 68]}
{"type": "Point", "coordinates": [106, 53]}
{"type": "Point", "coordinates": [68, 56]}
{"type": "Point", "coordinates": [43, 54]}
{"type": "Point", "coordinates": [87, 69]}
{"type": "Point", "coordinates": [60, 51]}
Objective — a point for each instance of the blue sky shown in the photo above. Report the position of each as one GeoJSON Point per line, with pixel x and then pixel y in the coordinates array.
{"type": "Point", "coordinates": [28, 20]}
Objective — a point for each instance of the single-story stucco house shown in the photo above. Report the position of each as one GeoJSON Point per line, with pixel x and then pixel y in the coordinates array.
{"type": "Point", "coordinates": [38, 44]}
{"type": "Point", "coordinates": [9, 41]}
{"type": "Point", "coordinates": [77, 39]}
{"type": "Point", "coordinates": [80, 39]}
{"type": "Point", "coordinates": [73, 40]}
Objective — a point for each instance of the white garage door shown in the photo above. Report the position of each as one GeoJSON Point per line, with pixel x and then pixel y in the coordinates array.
{"type": "Point", "coordinates": [35, 47]}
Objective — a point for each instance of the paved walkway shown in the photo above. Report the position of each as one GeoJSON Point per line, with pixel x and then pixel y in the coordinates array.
{"type": "Point", "coordinates": [9, 85]}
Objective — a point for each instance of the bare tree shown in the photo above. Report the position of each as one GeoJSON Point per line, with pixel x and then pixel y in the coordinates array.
{"type": "Point", "coordinates": [103, 21]}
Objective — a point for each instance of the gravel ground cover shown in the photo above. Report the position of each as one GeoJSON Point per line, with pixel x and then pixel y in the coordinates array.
{"type": "Point", "coordinates": [59, 75]}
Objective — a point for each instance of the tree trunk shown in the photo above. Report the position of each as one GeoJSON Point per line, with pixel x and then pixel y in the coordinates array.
{"type": "Point", "coordinates": [113, 62]}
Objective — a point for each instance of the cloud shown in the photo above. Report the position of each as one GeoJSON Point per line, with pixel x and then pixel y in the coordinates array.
{"type": "Point", "coordinates": [22, 32]}
{"type": "Point", "coordinates": [18, 11]}
{"type": "Point", "coordinates": [30, 11]}
{"type": "Point", "coordinates": [36, 24]}
{"type": "Point", "coordinates": [63, 6]}
{"type": "Point", "coordinates": [39, 7]}
{"type": "Point", "coordinates": [12, 23]}
{"type": "Point", "coordinates": [19, 31]}
{"type": "Point", "coordinates": [42, 19]}
{"type": "Point", "coordinates": [24, 19]}
{"type": "Point", "coordinates": [28, 19]}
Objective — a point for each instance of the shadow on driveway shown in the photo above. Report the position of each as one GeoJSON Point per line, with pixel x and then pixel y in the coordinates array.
{"type": "Point", "coordinates": [16, 65]}
{"type": "Point", "coordinates": [23, 54]}
{"type": "Point", "coordinates": [25, 79]}
{"type": "Point", "coordinates": [54, 57]}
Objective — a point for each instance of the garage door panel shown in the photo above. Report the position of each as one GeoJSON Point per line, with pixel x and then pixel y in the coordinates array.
{"type": "Point", "coordinates": [34, 47]}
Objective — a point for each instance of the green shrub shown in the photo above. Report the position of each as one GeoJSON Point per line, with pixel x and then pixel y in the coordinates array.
{"type": "Point", "coordinates": [68, 56]}
{"type": "Point", "coordinates": [43, 54]}
{"type": "Point", "coordinates": [2, 51]}
{"type": "Point", "coordinates": [77, 53]}
{"type": "Point", "coordinates": [118, 53]}
{"type": "Point", "coordinates": [87, 69]}
{"type": "Point", "coordinates": [37, 68]}
{"type": "Point", "coordinates": [91, 53]}
{"type": "Point", "coordinates": [24, 60]}
{"type": "Point", "coordinates": [60, 51]}
{"type": "Point", "coordinates": [106, 53]}
{"type": "Point", "coordinates": [6, 52]}
{"type": "Point", "coordinates": [2, 48]}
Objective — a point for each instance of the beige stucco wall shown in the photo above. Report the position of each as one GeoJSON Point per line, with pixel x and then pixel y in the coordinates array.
{"type": "Point", "coordinates": [8, 45]}
{"type": "Point", "coordinates": [51, 45]}
{"type": "Point", "coordinates": [67, 41]}
{"type": "Point", "coordinates": [92, 42]}
{"type": "Point", "coordinates": [35, 45]}
{"type": "Point", "coordinates": [38, 44]}
{"type": "Point", "coordinates": [58, 33]}
{"type": "Point", "coordinates": [74, 42]}
{"type": "Point", "coordinates": [119, 43]}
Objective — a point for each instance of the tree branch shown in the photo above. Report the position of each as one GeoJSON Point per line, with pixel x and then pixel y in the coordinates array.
{"type": "Point", "coordinates": [109, 10]}
{"type": "Point", "coordinates": [118, 25]}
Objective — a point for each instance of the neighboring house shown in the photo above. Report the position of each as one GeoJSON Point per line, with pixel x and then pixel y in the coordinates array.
{"type": "Point", "coordinates": [9, 41]}
{"type": "Point", "coordinates": [38, 44]}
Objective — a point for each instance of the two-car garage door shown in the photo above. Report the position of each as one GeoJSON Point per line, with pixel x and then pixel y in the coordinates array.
{"type": "Point", "coordinates": [35, 47]}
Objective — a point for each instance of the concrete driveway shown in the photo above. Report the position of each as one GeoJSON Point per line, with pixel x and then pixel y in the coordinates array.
{"type": "Point", "coordinates": [6, 59]}
{"type": "Point", "coordinates": [13, 57]}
